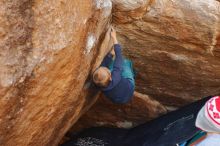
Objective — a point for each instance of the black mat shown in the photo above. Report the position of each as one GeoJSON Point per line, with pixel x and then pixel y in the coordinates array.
{"type": "Point", "coordinates": [167, 130]}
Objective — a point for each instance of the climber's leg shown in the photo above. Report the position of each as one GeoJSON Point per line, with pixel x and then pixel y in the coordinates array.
{"type": "Point", "coordinates": [128, 71]}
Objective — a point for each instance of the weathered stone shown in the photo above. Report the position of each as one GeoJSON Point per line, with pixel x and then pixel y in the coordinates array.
{"type": "Point", "coordinates": [140, 109]}
{"type": "Point", "coordinates": [174, 45]}
{"type": "Point", "coordinates": [48, 49]}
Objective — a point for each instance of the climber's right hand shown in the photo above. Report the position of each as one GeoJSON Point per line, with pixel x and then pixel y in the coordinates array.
{"type": "Point", "coordinates": [113, 36]}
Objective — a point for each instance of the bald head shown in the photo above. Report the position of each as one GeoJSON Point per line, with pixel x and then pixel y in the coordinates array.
{"type": "Point", "coordinates": [102, 77]}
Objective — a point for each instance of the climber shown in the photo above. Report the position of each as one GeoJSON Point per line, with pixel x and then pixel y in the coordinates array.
{"type": "Point", "coordinates": [208, 120]}
{"type": "Point", "coordinates": [115, 76]}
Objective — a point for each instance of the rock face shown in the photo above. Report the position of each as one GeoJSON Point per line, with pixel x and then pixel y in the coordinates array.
{"type": "Point", "coordinates": [174, 45]}
{"type": "Point", "coordinates": [49, 48]}
{"type": "Point", "coordinates": [47, 51]}
{"type": "Point", "coordinates": [140, 109]}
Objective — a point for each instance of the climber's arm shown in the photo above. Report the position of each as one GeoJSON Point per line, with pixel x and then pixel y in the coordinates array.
{"type": "Point", "coordinates": [118, 55]}
{"type": "Point", "coordinates": [117, 67]}
{"type": "Point", "coordinates": [107, 60]}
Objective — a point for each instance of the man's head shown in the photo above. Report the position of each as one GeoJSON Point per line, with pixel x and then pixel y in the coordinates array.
{"type": "Point", "coordinates": [102, 77]}
{"type": "Point", "coordinates": [208, 118]}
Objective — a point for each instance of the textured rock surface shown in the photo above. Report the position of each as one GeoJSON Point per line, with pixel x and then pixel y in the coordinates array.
{"type": "Point", "coordinates": [175, 46]}
{"type": "Point", "coordinates": [47, 51]}
{"type": "Point", "coordinates": [142, 108]}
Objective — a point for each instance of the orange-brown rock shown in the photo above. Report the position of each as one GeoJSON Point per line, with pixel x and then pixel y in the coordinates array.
{"type": "Point", "coordinates": [48, 49]}
{"type": "Point", "coordinates": [140, 109]}
{"type": "Point", "coordinates": [174, 45]}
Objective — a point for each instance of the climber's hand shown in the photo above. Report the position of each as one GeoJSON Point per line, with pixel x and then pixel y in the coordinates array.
{"type": "Point", "coordinates": [113, 33]}
{"type": "Point", "coordinates": [113, 36]}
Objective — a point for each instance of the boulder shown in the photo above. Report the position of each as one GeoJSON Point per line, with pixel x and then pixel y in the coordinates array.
{"type": "Point", "coordinates": [175, 46]}
{"type": "Point", "coordinates": [140, 109]}
{"type": "Point", "coordinates": [48, 49]}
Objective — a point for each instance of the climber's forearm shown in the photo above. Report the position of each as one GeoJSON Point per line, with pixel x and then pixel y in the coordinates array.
{"type": "Point", "coordinates": [114, 36]}
{"type": "Point", "coordinates": [115, 40]}
{"type": "Point", "coordinates": [118, 56]}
